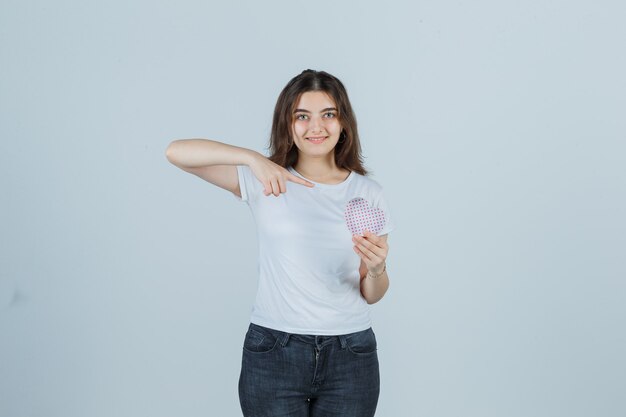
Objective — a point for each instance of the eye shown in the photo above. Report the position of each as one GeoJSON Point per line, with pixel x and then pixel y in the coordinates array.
{"type": "Point", "coordinates": [301, 117]}
{"type": "Point", "coordinates": [329, 115]}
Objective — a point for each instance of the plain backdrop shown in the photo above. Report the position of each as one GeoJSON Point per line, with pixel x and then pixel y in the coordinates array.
{"type": "Point", "coordinates": [497, 129]}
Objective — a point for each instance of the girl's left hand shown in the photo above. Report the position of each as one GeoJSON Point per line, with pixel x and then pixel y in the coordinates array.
{"type": "Point", "coordinates": [373, 251]}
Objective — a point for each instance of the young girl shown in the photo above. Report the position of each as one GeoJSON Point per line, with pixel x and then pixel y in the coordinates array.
{"type": "Point", "coordinates": [322, 227]}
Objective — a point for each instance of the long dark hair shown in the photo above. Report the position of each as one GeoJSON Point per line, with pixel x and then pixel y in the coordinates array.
{"type": "Point", "coordinates": [282, 149]}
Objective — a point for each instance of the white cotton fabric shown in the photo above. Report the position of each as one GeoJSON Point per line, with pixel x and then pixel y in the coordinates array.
{"type": "Point", "coordinates": [309, 279]}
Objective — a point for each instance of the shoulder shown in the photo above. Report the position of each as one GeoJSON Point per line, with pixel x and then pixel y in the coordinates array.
{"type": "Point", "coordinates": [367, 181]}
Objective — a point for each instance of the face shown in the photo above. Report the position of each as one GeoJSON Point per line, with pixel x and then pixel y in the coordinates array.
{"type": "Point", "coordinates": [316, 126]}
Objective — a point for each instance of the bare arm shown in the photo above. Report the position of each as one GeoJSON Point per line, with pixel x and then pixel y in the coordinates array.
{"type": "Point", "coordinates": [374, 279]}
{"type": "Point", "coordinates": [216, 162]}
{"type": "Point", "coordinates": [210, 160]}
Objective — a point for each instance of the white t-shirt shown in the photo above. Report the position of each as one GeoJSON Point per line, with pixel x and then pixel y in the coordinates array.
{"type": "Point", "coordinates": [309, 279]}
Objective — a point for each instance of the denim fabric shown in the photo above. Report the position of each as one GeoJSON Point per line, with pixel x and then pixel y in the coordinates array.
{"type": "Point", "coordinates": [292, 375]}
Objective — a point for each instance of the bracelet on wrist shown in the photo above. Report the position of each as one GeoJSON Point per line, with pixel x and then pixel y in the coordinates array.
{"type": "Point", "coordinates": [369, 273]}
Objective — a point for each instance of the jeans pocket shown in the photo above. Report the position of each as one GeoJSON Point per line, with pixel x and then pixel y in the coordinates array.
{"type": "Point", "coordinates": [259, 341]}
{"type": "Point", "coordinates": [362, 343]}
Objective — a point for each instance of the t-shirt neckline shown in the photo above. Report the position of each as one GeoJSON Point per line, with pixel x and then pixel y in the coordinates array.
{"type": "Point", "coordinates": [321, 184]}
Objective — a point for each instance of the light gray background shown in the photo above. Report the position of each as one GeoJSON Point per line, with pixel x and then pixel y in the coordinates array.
{"type": "Point", "coordinates": [496, 127]}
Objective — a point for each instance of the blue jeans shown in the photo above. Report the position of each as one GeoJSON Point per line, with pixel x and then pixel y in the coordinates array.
{"type": "Point", "coordinates": [293, 375]}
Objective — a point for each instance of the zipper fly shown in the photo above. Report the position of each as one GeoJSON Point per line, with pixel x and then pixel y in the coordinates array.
{"type": "Point", "coordinates": [316, 368]}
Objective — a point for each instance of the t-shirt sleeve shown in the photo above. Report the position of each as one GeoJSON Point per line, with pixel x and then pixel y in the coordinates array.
{"type": "Point", "coordinates": [381, 203]}
{"type": "Point", "coordinates": [249, 185]}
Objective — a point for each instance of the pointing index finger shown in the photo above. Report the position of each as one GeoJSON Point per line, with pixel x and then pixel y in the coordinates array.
{"type": "Point", "coordinates": [299, 180]}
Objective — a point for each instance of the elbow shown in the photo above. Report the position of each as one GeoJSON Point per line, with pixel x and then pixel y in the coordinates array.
{"type": "Point", "coordinates": [373, 300]}
{"type": "Point", "coordinates": [171, 152]}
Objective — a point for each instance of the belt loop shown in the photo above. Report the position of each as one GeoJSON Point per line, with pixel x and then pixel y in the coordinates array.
{"type": "Point", "coordinates": [343, 340]}
{"type": "Point", "coordinates": [285, 339]}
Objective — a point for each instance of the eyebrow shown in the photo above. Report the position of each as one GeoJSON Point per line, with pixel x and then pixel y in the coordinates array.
{"type": "Point", "coordinates": [323, 110]}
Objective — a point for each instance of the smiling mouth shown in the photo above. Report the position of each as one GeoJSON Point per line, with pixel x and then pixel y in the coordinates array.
{"type": "Point", "coordinates": [318, 139]}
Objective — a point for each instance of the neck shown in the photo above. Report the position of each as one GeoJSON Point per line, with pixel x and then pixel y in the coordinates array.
{"type": "Point", "coordinates": [320, 169]}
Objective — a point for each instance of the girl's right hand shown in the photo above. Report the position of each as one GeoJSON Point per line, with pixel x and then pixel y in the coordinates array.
{"type": "Point", "coordinates": [274, 177]}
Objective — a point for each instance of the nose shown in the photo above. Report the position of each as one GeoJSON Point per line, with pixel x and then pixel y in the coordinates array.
{"type": "Point", "coordinates": [316, 125]}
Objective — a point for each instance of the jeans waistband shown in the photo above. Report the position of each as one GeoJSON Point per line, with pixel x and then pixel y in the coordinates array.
{"type": "Point", "coordinates": [315, 340]}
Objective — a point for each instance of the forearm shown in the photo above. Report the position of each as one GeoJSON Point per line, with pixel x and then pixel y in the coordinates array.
{"type": "Point", "coordinates": [194, 153]}
{"type": "Point", "coordinates": [373, 288]}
